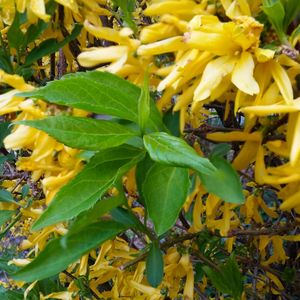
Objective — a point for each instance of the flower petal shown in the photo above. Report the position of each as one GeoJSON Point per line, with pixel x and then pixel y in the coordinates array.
{"type": "Point", "coordinates": [98, 56]}
{"type": "Point", "coordinates": [242, 75]}
{"type": "Point", "coordinates": [282, 80]}
{"type": "Point", "coordinates": [213, 75]}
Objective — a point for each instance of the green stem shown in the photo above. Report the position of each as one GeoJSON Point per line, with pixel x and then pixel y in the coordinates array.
{"type": "Point", "coordinates": [4, 232]}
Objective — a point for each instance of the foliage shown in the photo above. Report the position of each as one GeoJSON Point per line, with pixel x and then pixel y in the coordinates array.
{"type": "Point", "coordinates": [149, 149]}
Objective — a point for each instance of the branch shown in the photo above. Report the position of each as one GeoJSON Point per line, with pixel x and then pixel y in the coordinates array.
{"type": "Point", "coordinates": [279, 230]}
{"type": "Point", "coordinates": [85, 285]}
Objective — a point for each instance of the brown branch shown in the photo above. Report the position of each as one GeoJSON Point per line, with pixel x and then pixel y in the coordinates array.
{"type": "Point", "coordinates": [206, 260]}
{"type": "Point", "coordinates": [52, 66]}
{"type": "Point", "coordinates": [279, 230]}
{"type": "Point", "coordinates": [133, 262]}
{"type": "Point", "coordinates": [165, 245]}
{"type": "Point", "coordinates": [11, 176]}
{"type": "Point", "coordinates": [184, 221]}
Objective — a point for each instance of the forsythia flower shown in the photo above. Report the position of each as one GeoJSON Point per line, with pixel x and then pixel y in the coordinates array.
{"type": "Point", "coordinates": [195, 53]}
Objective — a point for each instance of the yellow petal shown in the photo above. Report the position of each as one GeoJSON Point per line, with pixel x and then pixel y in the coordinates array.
{"type": "Point", "coordinates": [60, 295]}
{"type": "Point", "coordinates": [242, 75]}
{"type": "Point", "coordinates": [280, 179]}
{"type": "Point", "coordinates": [168, 45]}
{"type": "Point", "coordinates": [282, 80]}
{"type": "Point", "coordinates": [269, 211]}
{"type": "Point", "coordinates": [186, 97]}
{"type": "Point", "coordinates": [244, 6]}
{"type": "Point", "coordinates": [240, 98]}
{"type": "Point", "coordinates": [236, 8]}
{"type": "Point", "coordinates": [234, 136]}
{"type": "Point", "coordinates": [180, 24]}
{"type": "Point", "coordinates": [109, 34]}
{"type": "Point", "coordinates": [156, 32]}
{"type": "Point", "coordinates": [116, 66]}
{"type": "Point", "coordinates": [291, 202]}
{"type": "Point", "coordinates": [221, 89]}
{"type": "Point", "coordinates": [246, 155]}
{"type": "Point", "coordinates": [96, 8]}
{"type": "Point", "coordinates": [213, 75]}
{"type": "Point", "coordinates": [182, 7]}
{"type": "Point", "coordinates": [29, 288]}
{"type": "Point", "coordinates": [178, 69]}
{"type": "Point", "coordinates": [275, 279]}
{"type": "Point", "coordinates": [22, 137]}
{"type": "Point", "coordinates": [20, 262]}
{"type": "Point", "coordinates": [292, 238]}
{"type": "Point", "coordinates": [38, 8]}
{"type": "Point", "coordinates": [295, 139]}
{"type": "Point", "coordinates": [21, 5]}
{"type": "Point", "coordinates": [265, 110]}
{"type": "Point", "coordinates": [98, 56]}
{"type": "Point", "coordinates": [260, 168]}
{"type": "Point", "coordinates": [264, 55]}
{"type": "Point", "coordinates": [15, 81]}
{"type": "Point", "coordinates": [148, 290]}
{"type": "Point", "coordinates": [278, 147]}
{"type": "Point", "coordinates": [71, 4]}
{"type": "Point", "coordinates": [217, 43]}
{"type": "Point", "coordinates": [271, 95]}
{"type": "Point", "coordinates": [188, 291]}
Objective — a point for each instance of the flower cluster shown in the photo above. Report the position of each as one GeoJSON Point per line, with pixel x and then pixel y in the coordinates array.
{"type": "Point", "coordinates": [206, 60]}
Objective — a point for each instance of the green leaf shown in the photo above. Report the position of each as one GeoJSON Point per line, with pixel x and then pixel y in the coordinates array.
{"type": "Point", "coordinates": [81, 193]}
{"type": "Point", "coordinates": [165, 189]}
{"type": "Point", "coordinates": [141, 169]}
{"type": "Point", "coordinates": [4, 131]}
{"type": "Point", "coordinates": [144, 104]}
{"type": "Point", "coordinates": [5, 215]}
{"type": "Point", "coordinates": [275, 12]}
{"type": "Point", "coordinates": [229, 280]}
{"type": "Point", "coordinates": [34, 31]}
{"type": "Point", "coordinates": [50, 46]}
{"type": "Point", "coordinates": [61, 252]}
{"type": "Point", "coordinates": [154, 265]}
{"type": "Point", "coordinates": [25, 190]}
{"type": "Point", "coordinates": [292, 9]}
{"type": "Point", "coordinates": [167, 149]}
{"type": "Point", "coordinates": [6, 294]}
{"type": "Point", "coordinates": [86, 155]}
{"type": "Point", "coordinates": [15, 35]}
{"type": "Point", "coordinates": [98, 92]}
{"type": "Point", "coordinates": [172, 121]}
{"type": "Point", "coordinates": [83, 133]}
{"type": "Point", "coordinates": [221, 149]}
{"type": "Point", "coordinates": [5, 63]}
{"type": "Point", "coordinates": [127, 218]}
{"type": "Point", "coordinates": [6, 196]}
{"type": "Point", "coordinates": [93, 214]}
{"type": "Point", "coordinates": [127, 8]}
{"type": "Point", "coordinates": [224, 182]}
{"type": "Point", "coordinates": [295, 35]}
{"type": "Point", "coordinates": [4, 266]}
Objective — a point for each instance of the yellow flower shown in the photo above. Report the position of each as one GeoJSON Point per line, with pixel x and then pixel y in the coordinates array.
{"type": "Point", "coordinates": [96, 56]}
{"type": "Point", "coordinates": [182, 8]}
{"type": "Point", "coordinates": [22, 137]}
{"type": "Point", "coordinates": [15, 81]}
{"type": "Point", "coordinates": [235, 8]}
{"type": "Point", "coordinates": [58, 295]}
{"type": "Point", "coordinates": [291, 202]}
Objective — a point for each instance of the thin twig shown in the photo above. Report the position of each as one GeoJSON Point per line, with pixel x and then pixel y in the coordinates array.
{"type": "Point", "coordinates": [85, 285]}
{"type": "Point", "coordinates": [280, 230]}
